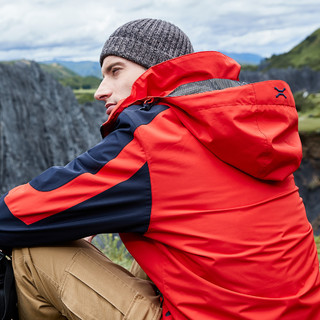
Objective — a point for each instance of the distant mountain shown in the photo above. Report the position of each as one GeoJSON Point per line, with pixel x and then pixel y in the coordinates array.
{"type": "Point", "coordinates": [92, 68]}
{"type": "Point", "coordinates": [305, 54]}
{"type": "Point", "coordinates": [82, 68]}
{"type": "Point", "coordinates": [245, 58]}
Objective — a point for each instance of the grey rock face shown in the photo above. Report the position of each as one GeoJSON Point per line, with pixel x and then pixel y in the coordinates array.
{"type": "Point", "coordinates": [298, 79]}
{"type": "Point", "coordinates": [41, 123]}
{"type": "Point", "coordinates": [307, 178]}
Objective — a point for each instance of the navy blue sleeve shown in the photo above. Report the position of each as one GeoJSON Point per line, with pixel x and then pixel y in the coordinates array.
{"type": "Point", "coordinates": [106, 189]}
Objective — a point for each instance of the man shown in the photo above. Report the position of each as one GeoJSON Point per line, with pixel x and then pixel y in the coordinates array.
{"type": "Point", "coordinates": [195, 173]}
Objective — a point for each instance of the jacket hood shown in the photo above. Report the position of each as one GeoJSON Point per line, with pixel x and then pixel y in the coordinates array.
{"type": "Point", "coordinates": [252, 127]}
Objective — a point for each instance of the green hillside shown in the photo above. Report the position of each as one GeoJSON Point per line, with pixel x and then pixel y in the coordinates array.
{"type": "Point", "coordinates": [307, 53]}
{"type": "Point", "coordinates": [69, 78]}
{"type": "Point", "coordinates": [57, 71]}
{"type": "Point", "coordinates": [83, 87]}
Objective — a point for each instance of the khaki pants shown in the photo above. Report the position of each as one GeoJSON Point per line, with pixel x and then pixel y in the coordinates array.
{"type": "Point", "coordinates": [77, 281]}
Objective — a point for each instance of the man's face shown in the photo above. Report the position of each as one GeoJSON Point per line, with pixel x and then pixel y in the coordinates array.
{"type": "Point", "coordinates": [119, 74]}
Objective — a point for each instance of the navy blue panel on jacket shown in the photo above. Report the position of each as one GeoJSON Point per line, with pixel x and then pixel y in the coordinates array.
{"type": "Point", "coordinates": [94, 159]}
{"type": "Point", "coordinates": [124, 207]}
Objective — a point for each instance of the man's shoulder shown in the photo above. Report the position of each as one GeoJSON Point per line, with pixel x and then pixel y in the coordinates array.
{"type": "Point", "coordinates": [141, 114]}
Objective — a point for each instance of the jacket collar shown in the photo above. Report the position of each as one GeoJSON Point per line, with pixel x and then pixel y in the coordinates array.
{"type": "Point", "coordinates": [162, 79]}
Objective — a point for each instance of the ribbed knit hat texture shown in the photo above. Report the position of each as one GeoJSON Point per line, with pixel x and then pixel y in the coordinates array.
{"type": "Point", "coordinates": [147, 42]}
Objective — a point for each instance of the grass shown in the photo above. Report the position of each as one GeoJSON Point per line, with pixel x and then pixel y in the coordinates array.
{"type": "Point", "coordinates": [84, 95]}
{"type": "Point", "coordinates": [317, 240]}
{"type": "Point", "coordinates": [111, 245]}
{"type": "Point", "coordinates": [307, 124]}
{"type": "Point", "coordinates": [308, 106]}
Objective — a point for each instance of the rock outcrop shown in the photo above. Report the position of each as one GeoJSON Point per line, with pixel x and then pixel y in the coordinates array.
{"type": "Point", "coordinates": [303, 79]}
{"type": "Point", "coordinates": [41, 123]}
{"type": "Point", "coordinates": [307, 177]}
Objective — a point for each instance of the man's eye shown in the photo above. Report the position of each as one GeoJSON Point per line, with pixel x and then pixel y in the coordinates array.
{"type": "Point", "coordinates": [115, 70]}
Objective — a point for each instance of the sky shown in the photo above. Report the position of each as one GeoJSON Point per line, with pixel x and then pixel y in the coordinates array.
{"type": "Point", "coordinates": [76, 30]}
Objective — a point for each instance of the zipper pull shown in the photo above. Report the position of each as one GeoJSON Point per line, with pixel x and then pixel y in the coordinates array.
{"type": "Point", "coordinates": [147, 104]}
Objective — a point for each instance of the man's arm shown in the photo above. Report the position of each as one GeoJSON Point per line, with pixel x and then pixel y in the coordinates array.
{"type": "Point", "coordinates": [106, 189]}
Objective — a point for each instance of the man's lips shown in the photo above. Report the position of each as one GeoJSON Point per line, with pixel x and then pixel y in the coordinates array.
{"type": "Point", "coordinates": [109, 107]}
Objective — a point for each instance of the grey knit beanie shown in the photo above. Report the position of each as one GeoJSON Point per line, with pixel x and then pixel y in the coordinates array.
{"type": "Point", "coordinates": [147, 42]}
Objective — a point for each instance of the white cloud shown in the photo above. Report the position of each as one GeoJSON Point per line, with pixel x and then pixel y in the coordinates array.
{"type": "Point", "coordinates": [68, 29]}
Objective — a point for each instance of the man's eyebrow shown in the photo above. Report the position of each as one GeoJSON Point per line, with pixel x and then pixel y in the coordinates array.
{"type": "Point", "coordinates": [110, 66]}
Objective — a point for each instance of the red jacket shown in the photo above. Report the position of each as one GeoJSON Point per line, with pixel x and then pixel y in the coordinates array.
{"type": "Point", "coordinates": [195, 172]}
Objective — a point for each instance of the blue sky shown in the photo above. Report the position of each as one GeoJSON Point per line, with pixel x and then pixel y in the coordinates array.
{"type": "Point", "coordinates": [76, 29]}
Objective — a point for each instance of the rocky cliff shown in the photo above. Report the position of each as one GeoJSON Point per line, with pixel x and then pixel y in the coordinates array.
{"type": "Point", "coordinates": [41, 124]}
{"type": "Point", "coordinates": [307, 177]}
{"type": "Point", "coordinates": [303, 79]}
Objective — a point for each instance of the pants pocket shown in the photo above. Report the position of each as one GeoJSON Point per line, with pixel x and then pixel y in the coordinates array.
{"type": "Point", "coordinates": [97, 291]}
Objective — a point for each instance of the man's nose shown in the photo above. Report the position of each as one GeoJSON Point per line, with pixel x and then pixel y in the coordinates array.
{"type": "Point", "coordinates": [103, 92]}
